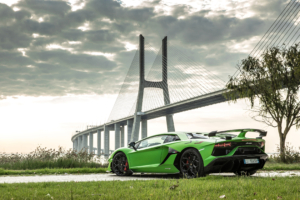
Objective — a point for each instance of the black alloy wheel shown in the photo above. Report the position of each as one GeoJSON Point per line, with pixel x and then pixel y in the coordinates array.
{"type": "Point", "coordinates": [120, 165]}
{"type": "Point", "coordinates": [245, 173]}
{"type": "Point", "coordinates": [191, 164]}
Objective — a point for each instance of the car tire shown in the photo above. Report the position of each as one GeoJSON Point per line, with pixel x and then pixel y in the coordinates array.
{"type": "Point", "coordinates": [120, 165]}
{"type": "Point", "coordinates": [191, 164]}
{"type": "Point", "coordinates": [245, 173]}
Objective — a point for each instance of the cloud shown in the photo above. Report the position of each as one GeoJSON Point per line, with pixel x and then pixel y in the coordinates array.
{"type": "Point", "coordinates": [39, 7]}
{"type": "Point", "coordinates": [45, 45]}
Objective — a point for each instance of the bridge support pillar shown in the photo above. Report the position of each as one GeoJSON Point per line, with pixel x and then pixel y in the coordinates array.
{"type": "Point", "coordinates": [136, 128]}
{"type": "Point", "coordinates": [79, 143]}
{"type": "Point", "coordinates": [106, 141]}
{"type": "Point", "coordinates": [139, 103]}
{"type": "Point", "coordinates": [122, 136]}
{"type": "Point", "coordinates": [129, 130]}
{"type": "Point", "coordinates": [85, 142]}
{"type": "Point", "coordinates": [170, 123]}
{"type": "Point", "coordinates": [91, 142]}
{"type": "Point", "coordinates": [75, 148]}
{"type": "Point", "coordinates": [144, 128]}
{"type": "Point", "coordinates": [117, 135]}
{"type": "Point", "coordinates": [169, 118]}
{"type": "Point", "coordinates": [99, 142]}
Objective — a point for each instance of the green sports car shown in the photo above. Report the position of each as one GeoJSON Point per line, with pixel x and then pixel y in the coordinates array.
{"type": "Point", "coordinates": [192, 154]}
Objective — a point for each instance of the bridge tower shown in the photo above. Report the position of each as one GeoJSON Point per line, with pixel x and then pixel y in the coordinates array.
{"type": "Point", "coordinates": [156, 84]}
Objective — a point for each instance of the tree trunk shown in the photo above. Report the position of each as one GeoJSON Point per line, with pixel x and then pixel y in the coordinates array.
{"type": "Point", "coordinates": [282, 148]}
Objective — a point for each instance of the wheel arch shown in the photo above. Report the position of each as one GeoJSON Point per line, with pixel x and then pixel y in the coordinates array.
{"type": "Point", "coordinates": [123, 172]}
{"type": "Point", "coordinates": [177, 159]}
{"type": "Point", "coordinates": [116, 152]}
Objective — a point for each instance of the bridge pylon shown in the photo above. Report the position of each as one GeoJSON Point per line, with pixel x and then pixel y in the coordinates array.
{"type": "Point", "coordinates": [143, 83]}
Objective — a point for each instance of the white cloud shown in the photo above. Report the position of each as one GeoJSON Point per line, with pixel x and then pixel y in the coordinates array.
{"type": "Point", "coordinates": [85, 27]}
{"type": "Point", "coordinates": [9, 2]}
{"type": "Point", "coordinates": [130, 47]}
{"type": "Point", "coordinates": [57, 46]}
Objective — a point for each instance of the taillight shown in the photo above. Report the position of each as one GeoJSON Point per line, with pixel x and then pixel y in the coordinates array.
{"type": "Point", "coordinates": [227, 144]}
{"type": "Point", "coordinates": [261, 144]}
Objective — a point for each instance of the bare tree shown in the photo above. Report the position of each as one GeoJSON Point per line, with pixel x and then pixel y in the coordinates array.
{"type": "Point", "coordinates": [273, 79]}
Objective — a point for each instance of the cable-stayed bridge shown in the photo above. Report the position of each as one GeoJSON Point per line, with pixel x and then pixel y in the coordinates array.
{"type": "Point", "coordinates": [173, 84]}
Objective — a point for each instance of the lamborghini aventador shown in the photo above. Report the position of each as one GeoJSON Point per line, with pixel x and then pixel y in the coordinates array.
{"type": "Point", "coordinates": [192, 154]}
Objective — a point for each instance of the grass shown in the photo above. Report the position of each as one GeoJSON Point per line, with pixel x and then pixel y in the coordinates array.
{"type": "Point", "coordinates": [210, 187]}
{"type": "Point", "coordinates": [271, 166]}
{"type": "Point", "coordinates": [53, 171]}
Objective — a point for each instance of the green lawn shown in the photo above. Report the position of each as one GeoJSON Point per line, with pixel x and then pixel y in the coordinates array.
{"type": "Point", "coordinates": [269, 166]}
{"type": "Point", "coordinates": [210, 187]}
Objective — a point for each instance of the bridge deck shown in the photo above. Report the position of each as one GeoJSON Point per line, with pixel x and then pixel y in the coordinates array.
{"type": "Point", "coordinates": [189, 104]}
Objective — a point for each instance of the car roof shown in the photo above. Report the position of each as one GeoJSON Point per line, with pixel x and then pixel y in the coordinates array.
{"type": "Point", "coordinates": [181, 135]}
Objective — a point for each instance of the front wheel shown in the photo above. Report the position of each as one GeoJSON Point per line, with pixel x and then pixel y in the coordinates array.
{"type": "Point", "coordinates": [245, 173]}
{"type": "Point", "coordinates": [120, 165]}
{"type": "Point", "coordinates": [191, 164]}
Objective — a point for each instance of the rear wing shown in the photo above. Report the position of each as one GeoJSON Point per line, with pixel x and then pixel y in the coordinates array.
{"type": "Point", "coordinates": [262, 133]}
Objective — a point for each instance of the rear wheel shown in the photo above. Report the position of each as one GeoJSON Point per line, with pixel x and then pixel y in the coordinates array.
{"type": "Point", "coordinates": [120, 165]}
{"type": "Point", "coordinates": [245, 173]}
{"type": "Point", "coordinates": [191, 164]}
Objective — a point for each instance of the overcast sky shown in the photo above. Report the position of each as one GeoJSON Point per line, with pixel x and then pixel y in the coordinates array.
{"type": "Point", "coordinates": [62, 63]}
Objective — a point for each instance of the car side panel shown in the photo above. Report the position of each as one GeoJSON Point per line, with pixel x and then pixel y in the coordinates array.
{"type": "Point", "coordinates": [164, 153]}
{"type": "Point", "coordinates": [167, 166]}
{"type": "Point", "coordinates": [145, 157]}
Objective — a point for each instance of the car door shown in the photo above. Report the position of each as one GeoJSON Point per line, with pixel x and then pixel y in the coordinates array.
{"type": "Point", "coordinates": [148, 152]}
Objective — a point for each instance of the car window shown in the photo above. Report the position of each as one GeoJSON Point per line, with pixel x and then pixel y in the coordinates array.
{"type": "Point", "coordinates": [171, 138]}
{"type": "Point", "coordinates": [137, 145]}
{"type": "Point", "coordinates": [152, 142]}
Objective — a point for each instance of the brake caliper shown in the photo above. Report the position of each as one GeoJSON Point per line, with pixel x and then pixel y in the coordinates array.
{"type": "Point", "coordinates": [126, 165]}
{"type": "Point", "coordinates": [187, 163]}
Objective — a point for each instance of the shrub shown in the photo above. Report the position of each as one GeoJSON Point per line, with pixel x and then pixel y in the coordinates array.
{"type": "Point", "coordinates": [291, 155]}
{"type": "Point", "coordinates": [49, 158]}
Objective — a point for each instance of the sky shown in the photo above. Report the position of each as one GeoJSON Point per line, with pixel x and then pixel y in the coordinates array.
{"type": "Point", "coordinates": [63, 62]}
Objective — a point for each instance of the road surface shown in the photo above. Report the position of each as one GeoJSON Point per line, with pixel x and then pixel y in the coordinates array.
{"type": "Point", "coordinates": [112, 177]}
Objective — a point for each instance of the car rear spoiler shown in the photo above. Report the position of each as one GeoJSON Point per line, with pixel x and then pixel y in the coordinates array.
{"type": "Point", "coordinates": [262, 133]}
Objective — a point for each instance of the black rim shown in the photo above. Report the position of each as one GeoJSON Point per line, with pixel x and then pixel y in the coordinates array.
{"type": "Point", "coordinates": [190, 165]}
{"type": "Point", "coordinates": [120, 164]}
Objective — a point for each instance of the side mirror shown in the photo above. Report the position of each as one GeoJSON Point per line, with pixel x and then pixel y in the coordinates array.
{"type": "Point", "coordinates": [132, 144]}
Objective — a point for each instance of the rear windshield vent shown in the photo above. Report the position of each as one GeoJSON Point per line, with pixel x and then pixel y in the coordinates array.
{"type": "Point", "coordinates": [196, 136]}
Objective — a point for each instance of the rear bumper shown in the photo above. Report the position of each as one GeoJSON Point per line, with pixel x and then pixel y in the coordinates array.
{"type": "Point", "coordinates": [235, 163]}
